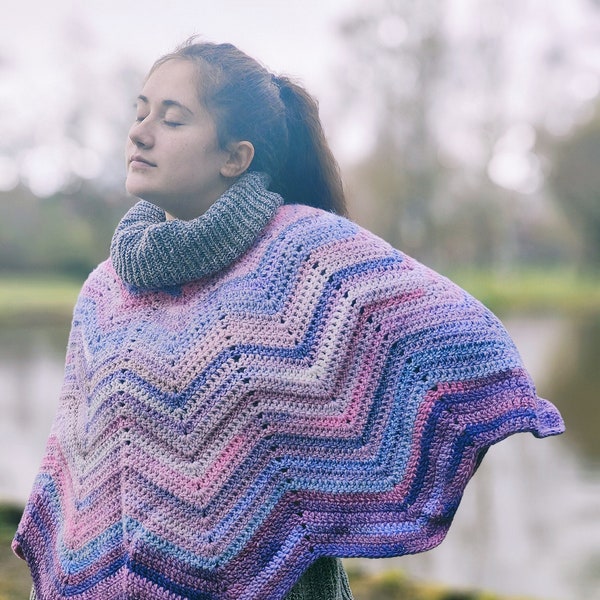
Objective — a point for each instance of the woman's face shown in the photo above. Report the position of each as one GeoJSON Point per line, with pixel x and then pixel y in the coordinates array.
{"type": "Point", "coordinates": [173, 156]}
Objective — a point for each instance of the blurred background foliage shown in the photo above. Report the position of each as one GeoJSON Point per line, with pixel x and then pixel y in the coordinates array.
{"type": "Point", "coordinates": [464, 170]}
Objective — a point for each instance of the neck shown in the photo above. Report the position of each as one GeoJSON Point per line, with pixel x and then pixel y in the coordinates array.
{"type": "Point", "coordinates": [153, 250]}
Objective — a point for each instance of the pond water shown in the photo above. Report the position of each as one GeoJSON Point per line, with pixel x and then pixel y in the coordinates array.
{"type": "Point", "coordinates": [529, 523]}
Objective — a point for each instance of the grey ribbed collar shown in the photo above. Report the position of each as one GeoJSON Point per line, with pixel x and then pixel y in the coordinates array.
{"type": "Point", "coordinates": [149, 252]}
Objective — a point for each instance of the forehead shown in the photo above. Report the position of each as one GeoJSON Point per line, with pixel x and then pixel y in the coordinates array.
{"type": "Point", "coordinates": [173, 80]}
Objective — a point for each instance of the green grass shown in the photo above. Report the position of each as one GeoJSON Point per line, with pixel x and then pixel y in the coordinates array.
{"type": "Point", "coordinates": [30, 299]}
{"type": "Point", "coordinates": [559, 290]}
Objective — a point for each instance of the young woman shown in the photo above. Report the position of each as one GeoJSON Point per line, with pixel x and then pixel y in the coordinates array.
{"type": "Point", "coordinates": [255, 386]}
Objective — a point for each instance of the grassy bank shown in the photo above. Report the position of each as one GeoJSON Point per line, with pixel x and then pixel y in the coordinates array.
{"type": "Point", "coordinates": [30, 300]}
{"type": "Point", "coordinates": [529, 290]}
{"type": "Point", "coordinates": [36, 299]}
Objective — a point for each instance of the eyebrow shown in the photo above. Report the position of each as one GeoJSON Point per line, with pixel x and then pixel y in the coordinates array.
{"type": "Point", "coordinates": [167, 104]}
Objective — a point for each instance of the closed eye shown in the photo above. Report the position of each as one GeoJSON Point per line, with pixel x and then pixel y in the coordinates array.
{"type": "Point", "coordinates": [172, 124]}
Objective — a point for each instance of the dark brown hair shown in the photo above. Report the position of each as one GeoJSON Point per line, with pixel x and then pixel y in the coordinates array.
{"type": "Point", "coordinates": [278, 116]}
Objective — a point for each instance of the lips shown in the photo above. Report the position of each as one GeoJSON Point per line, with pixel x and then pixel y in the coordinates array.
{"type": "Point", "coordinates": [139, 161]}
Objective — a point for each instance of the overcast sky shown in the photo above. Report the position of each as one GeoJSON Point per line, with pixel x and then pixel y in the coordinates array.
{"type": "Point", "coordinates": [55, 51]}
{"type": "Point", "coordinates": [287, 35]}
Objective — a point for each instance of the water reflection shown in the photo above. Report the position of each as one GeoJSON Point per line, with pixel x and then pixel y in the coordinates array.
{"type": "Point", "coordinates": [31, 368]}
{"type": "Point", "coordinates": [575, 378]}
{"type": "Point", "coordinates": [530, 521]}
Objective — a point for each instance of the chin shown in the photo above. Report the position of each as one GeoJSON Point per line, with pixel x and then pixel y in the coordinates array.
{"type": "Point", "coordinates": [140, 191]}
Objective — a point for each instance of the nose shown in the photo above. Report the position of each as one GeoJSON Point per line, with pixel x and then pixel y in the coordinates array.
{"type": "Point", "coordinates": [141, 135]}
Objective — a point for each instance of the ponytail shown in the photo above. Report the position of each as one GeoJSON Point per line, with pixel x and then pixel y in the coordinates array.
{"type": "Point", "coordinates": [277, 116]}
{"type": "Point", "coordinates": [310, 174]}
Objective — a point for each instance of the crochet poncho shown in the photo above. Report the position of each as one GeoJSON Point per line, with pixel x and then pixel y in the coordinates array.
{"type": "Point", "coordinates": [318, 394]}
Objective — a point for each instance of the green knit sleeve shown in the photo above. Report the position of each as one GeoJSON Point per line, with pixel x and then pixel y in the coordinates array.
{"type": "Point", "coordinates": [325, 579]}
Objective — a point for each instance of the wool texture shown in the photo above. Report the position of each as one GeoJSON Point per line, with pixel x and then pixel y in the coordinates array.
{"type": "Point", "coordinates": [321, 395]}
{"type": "Point", "coordinates": [325, 579]}
{"type": "Point", "coordinates": [151, 253]}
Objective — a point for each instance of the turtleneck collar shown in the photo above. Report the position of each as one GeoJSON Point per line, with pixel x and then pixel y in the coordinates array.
{"type": "Point", "coordinates": [149, 252]}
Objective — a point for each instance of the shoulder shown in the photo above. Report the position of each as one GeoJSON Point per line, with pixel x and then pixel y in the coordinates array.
{"type": "Point", "coordinates": [102, 288]}
{"type": "Point", "coordinates": [341, 250]}
{"type": "Point", "coordinates": [367, 262]}
{"type": "Point", "coordinates": [299, 221]}
{"type": "Point", "coordinates": [101, 280]}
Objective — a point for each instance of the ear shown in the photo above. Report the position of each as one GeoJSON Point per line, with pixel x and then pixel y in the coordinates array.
{"type": "Point", "coordinates": [239, 159]}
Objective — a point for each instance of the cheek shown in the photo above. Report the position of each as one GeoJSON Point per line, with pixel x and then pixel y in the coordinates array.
{"type": "Point", "coordinates": [185, 158]}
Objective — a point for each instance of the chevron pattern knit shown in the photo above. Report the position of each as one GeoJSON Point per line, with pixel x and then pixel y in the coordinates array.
{"type": "Point", "coordinates": [324, 395]}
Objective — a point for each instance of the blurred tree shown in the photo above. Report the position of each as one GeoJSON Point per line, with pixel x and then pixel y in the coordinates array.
{"type": "Point", "coordinates": [575, 180]}
{"type": "Point", "coordinates": [453, 175]}
{"type": "Point", "coordinates": [61, 216]}
{"type": "Point", "coordinates": [397, 50]}
{"type": "Point", "coordinates": [68, 233]}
